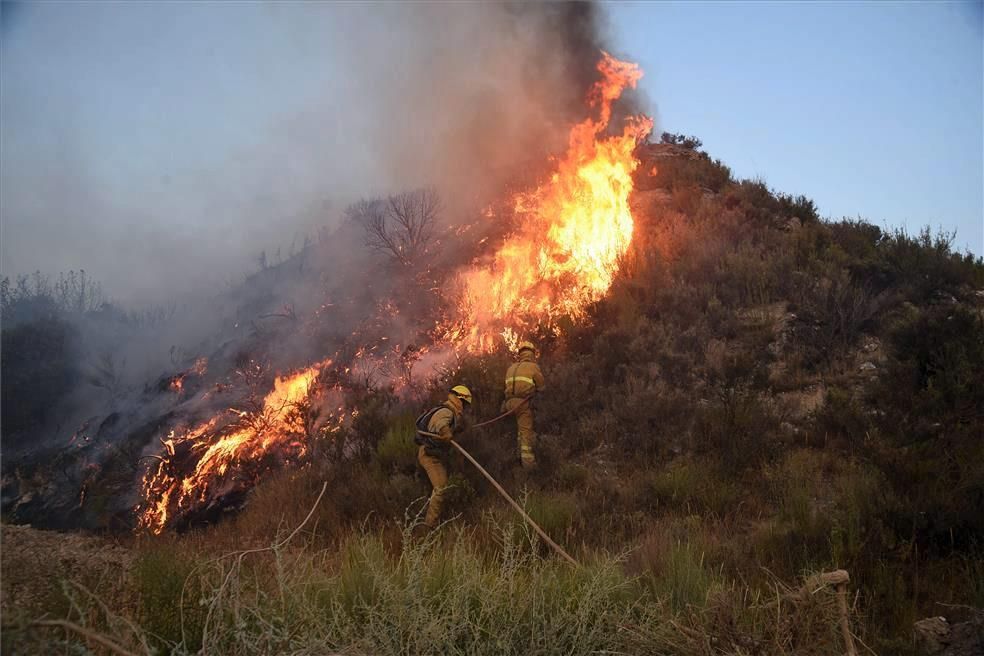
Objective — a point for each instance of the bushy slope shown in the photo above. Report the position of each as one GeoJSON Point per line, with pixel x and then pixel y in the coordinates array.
{"type": "Point", "coordinates": [762, 395]}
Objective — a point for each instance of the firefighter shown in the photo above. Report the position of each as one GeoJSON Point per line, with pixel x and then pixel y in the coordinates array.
{"type": "Point", "coordinates": [523, 380]}
{"type": "Point", "coordinates": [435, 428]}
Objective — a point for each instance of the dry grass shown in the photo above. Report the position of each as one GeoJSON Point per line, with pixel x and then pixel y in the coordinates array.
{"type": "Point", "coordinates": [447, 593]}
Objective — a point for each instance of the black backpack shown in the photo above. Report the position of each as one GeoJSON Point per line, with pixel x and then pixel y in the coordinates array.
{"type": "Point", "coordinates": [422, 423]}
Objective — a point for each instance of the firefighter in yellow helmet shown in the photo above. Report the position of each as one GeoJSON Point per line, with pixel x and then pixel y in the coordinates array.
{"type": "Point", "coordinates": [435, 429]}
{"type": "Point", "coordinates": [523, 380]}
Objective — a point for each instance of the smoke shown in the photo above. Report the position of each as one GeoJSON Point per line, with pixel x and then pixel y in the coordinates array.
{"type": "Point", "coordinates": [163, 147]}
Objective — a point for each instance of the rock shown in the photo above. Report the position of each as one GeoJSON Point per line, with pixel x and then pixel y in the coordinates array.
{"type": "Point", "coordinates": [932, 634]}
{"type": "Point", "coordinates": [870, 344]}
{"type": "Point", "coordinates": [868, 367]}
{"type": "Point", "coordinates": [935, 636]}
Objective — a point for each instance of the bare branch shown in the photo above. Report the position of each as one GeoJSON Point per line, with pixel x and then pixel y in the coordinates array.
{"type": "Point", "coordinates": [401, 226]}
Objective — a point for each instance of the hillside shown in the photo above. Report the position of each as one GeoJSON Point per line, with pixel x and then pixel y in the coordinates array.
{"type": "Point", "coordinates": [761, 396]}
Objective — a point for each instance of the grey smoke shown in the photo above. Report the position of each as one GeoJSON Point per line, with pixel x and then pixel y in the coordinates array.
{"type": "Point", "coordinates": [238, 128]}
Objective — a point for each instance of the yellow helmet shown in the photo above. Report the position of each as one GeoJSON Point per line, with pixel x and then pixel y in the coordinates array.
{"type": "Point", "coordinates": [462, 393]}
{"type": "Point", "coordinates": [526, 345]}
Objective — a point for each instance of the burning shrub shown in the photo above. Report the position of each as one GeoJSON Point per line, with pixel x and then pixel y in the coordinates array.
{"type": "Point", "coordinates": [569, 234]}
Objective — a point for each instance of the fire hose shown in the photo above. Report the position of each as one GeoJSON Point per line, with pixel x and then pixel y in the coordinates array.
{"type": "Point", "coordinates": [505, 495]}
{"type": "Point", "coordinates": [516, 506]}
{"type": "Point", "coordinates": [504, 414]}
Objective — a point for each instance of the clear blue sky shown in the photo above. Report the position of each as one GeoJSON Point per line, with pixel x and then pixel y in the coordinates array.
{"type": "Point", "coordinates": [870, 108]}
{"type": "Point", "coordinates": [132, 132]}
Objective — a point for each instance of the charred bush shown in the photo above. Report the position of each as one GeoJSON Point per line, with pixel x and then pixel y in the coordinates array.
{"type": "Point", "coordinates": [39, 369]}
{"type": "Point", "coordinates": [29, 298]}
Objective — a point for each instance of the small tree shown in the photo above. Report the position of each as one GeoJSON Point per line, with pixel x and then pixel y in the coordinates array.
{"type": "Point", "coordinates": [690, 143]}
{"type": "Point", "coordinates": [400, 226]}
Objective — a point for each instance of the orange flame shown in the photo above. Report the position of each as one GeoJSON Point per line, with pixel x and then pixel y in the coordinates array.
{"type": "Point", "coordinates": [572, 230]}
{"type": "Point", "coordinates": [256, 434]}
{"type": "Point", "coordinates": [562, 255]}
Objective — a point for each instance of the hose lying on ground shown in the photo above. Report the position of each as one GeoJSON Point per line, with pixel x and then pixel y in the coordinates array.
{"type": "Point", "coordinates": [556, 547]}
{"type": "Point", "coordinates": [519, 509]}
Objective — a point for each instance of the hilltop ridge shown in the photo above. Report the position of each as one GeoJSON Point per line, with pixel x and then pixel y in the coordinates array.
{"type": "Point", "coordinates": [762, 393]}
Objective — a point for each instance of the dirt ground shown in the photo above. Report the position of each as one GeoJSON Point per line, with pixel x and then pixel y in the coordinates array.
{"type": "Point", "coordinates": [37, 567]}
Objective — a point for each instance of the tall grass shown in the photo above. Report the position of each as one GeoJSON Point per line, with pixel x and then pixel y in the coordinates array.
{"type": "Point", "coordinates": [447, 593]}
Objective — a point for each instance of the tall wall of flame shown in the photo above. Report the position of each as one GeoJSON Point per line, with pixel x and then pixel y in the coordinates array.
{"type": "Point", "coordinates": [571, 231]}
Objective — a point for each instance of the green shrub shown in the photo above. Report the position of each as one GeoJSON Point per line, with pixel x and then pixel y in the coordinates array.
{"type": "Point", "coordinates": [169, 594]}
{"type": "Point", "coordinates": [448, 599]}
{"type": "Point", "coordinates": [925, 264]}
{"type": "Point", "coordinates": [862, 498]}
{"type": "Point", "coordinates": [701, 171]}
{"type": "Point", "coordinates": [936, 373]}
{"type": "Point", "coordinates": [556, 513]}
{"type": "Point", "coordinates": [799, 207]}
{"type": "Point", "coordinates": [798, 486]}
{"type": "Point", "coordinates": [571, 475]}
{"type": "Point", "coordinates": [833, 312]}
{"type": "Point", "coordinates": [396, 451]}
{"type": "Point", "coordinates": [688, 486]}
{"type": "Point", "coordinates": [736, 427]}
{"type": "Point", "coordinates": [672, 562]}
{"type": "Point", "coordinates": [684, 579]}
{"type": "Point", "coordinates": [842, 416]}
{"type": "Point", "coordinates": [748, 276]}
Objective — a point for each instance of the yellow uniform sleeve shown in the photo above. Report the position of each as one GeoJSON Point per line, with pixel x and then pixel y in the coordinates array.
{"type": "Point", "coordinates": [441, 423]}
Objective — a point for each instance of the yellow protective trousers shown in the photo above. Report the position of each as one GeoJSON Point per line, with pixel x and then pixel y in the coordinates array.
{"type": "Point", "coordinates": [525, 436]}
{"type": "Point", "coordinates": [437, 473]}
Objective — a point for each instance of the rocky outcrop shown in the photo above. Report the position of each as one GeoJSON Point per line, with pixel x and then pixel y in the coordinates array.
{"type": "Point", "coordinates": [936, 636]}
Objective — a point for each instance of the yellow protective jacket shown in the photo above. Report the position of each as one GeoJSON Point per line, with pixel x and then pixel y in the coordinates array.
{"type": "Point", "coordinates": [446, 420]}
{"type": "Point", "coordinates": [524, 378]}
